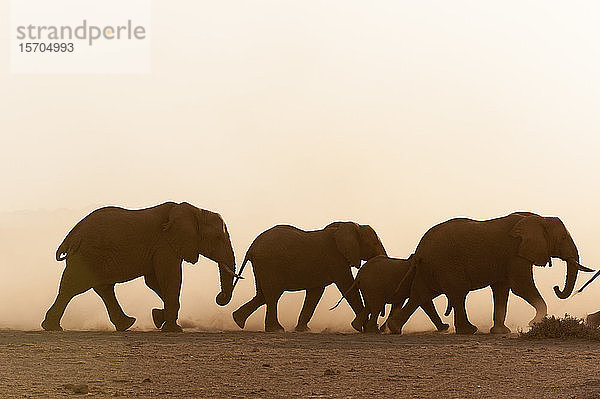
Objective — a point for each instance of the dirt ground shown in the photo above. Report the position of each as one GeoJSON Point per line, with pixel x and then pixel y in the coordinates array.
{"type": "Point", "coordinates": [307, 365]}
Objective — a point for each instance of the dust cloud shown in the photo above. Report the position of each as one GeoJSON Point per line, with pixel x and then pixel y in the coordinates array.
{"type": "Point", "coordinates": [28, 240]}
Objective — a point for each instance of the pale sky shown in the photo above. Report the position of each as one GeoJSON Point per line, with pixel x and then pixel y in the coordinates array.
{"type": "Point", "coordinates": [396, 114]}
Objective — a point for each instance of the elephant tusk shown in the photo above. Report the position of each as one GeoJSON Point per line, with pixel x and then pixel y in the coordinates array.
{"type": "Point", "coordinates": [589, 281]}
{"type": "Point", "coordinates": [239, 276]}
{"type": "Point", "coordinates": [580, 267]}
{"type": "Point", "coordinates": [584, 269]}
{"type": "Point", "coordinates": [228, 269]}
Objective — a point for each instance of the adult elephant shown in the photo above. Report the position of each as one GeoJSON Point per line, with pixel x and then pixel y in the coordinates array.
{"type": "Point", "coordinates": [285, 258]}
{"type": "Point", "coordinates": [113, 245]}
{"type": "Point", "coordinates": [461, 255]}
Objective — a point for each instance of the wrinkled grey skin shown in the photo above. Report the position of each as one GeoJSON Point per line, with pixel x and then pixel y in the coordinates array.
{"type": "Point", "coordinates": [385, 280]}
{"type": "Point", "coordinates": [285, 258]}
{"type": "Point", "coordinates": [462, 255]}
{"type": "Point", "coordinates": [113, 245]}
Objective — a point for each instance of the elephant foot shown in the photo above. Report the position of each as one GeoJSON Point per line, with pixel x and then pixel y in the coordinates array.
{"type": "Point", "coordinates": [443, 327]}
{"type": "Point", "coordinates": [302, 328]}
{"type": "Point", "coordinates": [125, 323]}
{"type": "Point", "coordinates": [171, 327]}
{"type": "Point", "coordinates": [500, 330]}
{"type": "Point", "coordinates": [51, 326]}
{"type": "Point", "coordinates": [158, 317]}
{"type": "Point", "coordinates": [468, 329]}
{"type": "Point", "coordinates": [360, 320]}
{"type": "Point", "coordinates": [239, 319]}
{"type": "Point", "coordinates": [372, 330]}
{"type": "Point", "coordinates": [357, 324]}
{"type": "Point", "coordinates": [385, 329]}
{"type": "Point", "coordinates": [275, 328]}
{"type": "Point", "coordinates": [391, 327]}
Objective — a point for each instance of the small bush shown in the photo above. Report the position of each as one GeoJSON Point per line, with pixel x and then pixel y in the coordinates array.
{"type": "Point", "coordinates": [556, 327]}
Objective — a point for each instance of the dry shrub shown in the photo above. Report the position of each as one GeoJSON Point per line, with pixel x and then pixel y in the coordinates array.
{"type": "Point", "coordinates": [557, 327]}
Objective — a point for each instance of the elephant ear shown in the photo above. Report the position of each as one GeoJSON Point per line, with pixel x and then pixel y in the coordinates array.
{"type": "Point", "coordinates": [534, 244]}
{"type": "Point", "coordinates": [346, 239]}
{"type": "Point", "coordinates": [182, 232]}
{"type": "Point", "coordinates": [213, 232]}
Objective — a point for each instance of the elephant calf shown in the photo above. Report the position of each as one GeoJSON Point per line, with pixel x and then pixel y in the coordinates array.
{"type": "Point", "coordinates": [285, 258]}
{"type": "Point", "coordinates": [387, 280]}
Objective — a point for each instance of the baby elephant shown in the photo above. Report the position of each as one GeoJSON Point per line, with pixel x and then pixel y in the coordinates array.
{"type": "Point", "coordinates": [387, 280]}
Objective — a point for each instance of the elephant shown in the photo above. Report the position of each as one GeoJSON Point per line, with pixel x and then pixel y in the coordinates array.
{"type": "Point", "coordinates": [113, 245]}
{"type": "Point", "coordinates": [461, 255]}
{"type": "Point", "coordinates": [285, 258]}
{"type": "Point", "coordinates": [386, 280]}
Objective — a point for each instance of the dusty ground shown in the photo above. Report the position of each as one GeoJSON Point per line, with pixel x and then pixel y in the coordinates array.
{"type": "Point", "coordinates": [255, 365]}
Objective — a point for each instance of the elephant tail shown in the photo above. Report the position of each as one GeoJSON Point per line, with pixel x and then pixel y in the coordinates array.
{"type": "Point", "coordinates": [61, 252]}
{"type": "Point", "coordinates": [354, 284]}
{"type": "Point", "coordinates": [69, 244]}
{"type": "Point", "coordinates": [238, 277]}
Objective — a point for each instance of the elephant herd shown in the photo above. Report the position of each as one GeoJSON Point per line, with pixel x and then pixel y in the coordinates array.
{"type": "Point", "coordinates": [113, 245]}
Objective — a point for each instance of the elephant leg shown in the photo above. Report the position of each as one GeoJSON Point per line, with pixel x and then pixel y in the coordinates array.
{"type": "Point", "coordinates": [313, 295]}
{"type": "Point", "coordinates": [72, 283]}
{"type": "Point", "coordinates": [121, 321]}
{"type": "Point", "coordinates": [158, 315]}
{"type": "Point", "coordinates": [522, 285]}
{"type": "Point", "coordinates": [343, 283]}
{"type": "Point", "coordinates": [361, 320]}
{"type": "Point", "coordinates": [500, 292]}
{"type": "Point", "coordinates": [461, 322]}
{"type": "Point", "coordinates": [271, 322]}
{"type": "Point", "coordinates": [419, 293]}
{"type": "Point", "coordinates": [395, 307]}
{"type": "Point", "coordinates": [429, 309]}
{"type": "Point", "coordinates": [169, 279]}
{"type": "Point", "coordinates": [374, 305]}
{"type": "Point", "coordinates": [241, 315]}
{"type": "Point", "coordinates": [371, 324]}
{"type": "Point", "coordinates": [399, 317]}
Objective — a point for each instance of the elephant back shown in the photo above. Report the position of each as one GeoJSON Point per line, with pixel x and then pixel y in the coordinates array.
{"type": "Point", "coordinates": [110, 229]}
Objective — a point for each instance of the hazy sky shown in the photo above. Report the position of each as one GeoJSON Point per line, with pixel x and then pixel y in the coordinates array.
{"type": "Point", "coordinates": [396, 114]}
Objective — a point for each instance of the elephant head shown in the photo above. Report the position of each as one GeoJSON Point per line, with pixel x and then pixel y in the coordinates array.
{"type": "Point", "coordinates": [356, 242]}
{"type": "Point", "coordinates": [193, 232]}
{"type": "Point", "coordinates": [543, 238]}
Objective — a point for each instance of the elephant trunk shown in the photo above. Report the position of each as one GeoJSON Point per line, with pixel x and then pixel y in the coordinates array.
{"type": "Point", "coordinates": [226, 278]}
{"type": "Point", "coordinates": [572, 269]}
{"type": "Point", "coordinates": [226, 275]}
